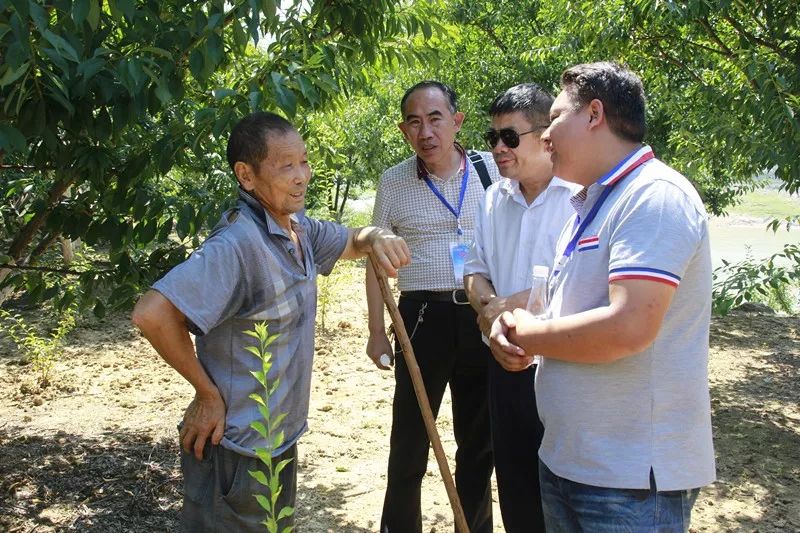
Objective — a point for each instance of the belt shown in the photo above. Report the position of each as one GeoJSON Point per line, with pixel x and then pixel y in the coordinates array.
{"type": "Point", "coordinates": [457, 296]}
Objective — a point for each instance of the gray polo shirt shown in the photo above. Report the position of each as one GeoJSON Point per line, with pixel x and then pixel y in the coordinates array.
{"type": "Point", "coordinates": [607, 424]}
{"type": "Point", "coordinates": [246, 272]}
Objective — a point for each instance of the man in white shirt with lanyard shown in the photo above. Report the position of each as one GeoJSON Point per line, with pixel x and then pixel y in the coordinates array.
{"type": "Point", "coordinates": [431, 199]}
{"type": "Point", "coordinates": [518, 224]}
{"type": "Point", "coordinates": [622, 389]}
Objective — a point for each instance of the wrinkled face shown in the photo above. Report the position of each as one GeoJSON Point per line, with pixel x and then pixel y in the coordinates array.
{"type": "Point", "coordinates": [528, 161]}
{"type": "Point", "coordinates": [281, 180]}
{"type": "Point", "coordinates": [566, 138]}
{"type": "Point", "coordinates": [429, 125]}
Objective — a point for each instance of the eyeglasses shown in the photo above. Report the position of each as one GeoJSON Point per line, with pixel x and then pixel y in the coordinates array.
{"type": "Point", "coordinates": [509, 136]}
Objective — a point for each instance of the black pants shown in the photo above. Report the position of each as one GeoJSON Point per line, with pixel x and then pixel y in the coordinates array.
{"type": "Point", "coordinates": [448, 349]}
{"type": "Point", "coordinates": [516, 436]}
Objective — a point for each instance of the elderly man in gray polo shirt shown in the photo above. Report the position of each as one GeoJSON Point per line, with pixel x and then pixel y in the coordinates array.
{"type": "Point", "coordinates": [623, 387]}
{"type": "Point", "coordinates": [259, 264]}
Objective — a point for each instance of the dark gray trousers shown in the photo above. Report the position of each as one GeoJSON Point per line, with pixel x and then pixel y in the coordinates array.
{"type": "Point", "coordinates": [218, 492]}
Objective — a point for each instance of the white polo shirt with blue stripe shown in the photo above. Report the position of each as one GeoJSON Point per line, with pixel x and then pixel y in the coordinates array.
{"type": "Point", "coordinates": [608, 424]}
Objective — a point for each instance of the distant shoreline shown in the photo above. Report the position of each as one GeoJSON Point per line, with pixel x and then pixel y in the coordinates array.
{"type": "Point", "coordinates": [748, 221]}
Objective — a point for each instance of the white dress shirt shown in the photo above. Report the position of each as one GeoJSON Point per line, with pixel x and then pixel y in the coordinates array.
{"type": "Point", "coordinates": [512, 236]}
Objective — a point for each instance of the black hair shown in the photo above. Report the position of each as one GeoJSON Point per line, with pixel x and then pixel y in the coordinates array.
{"type": "Point", "coordinates": [527, 98]}
{"type": "Point", "coordinates": [618, 88]}
{"type": "Point", "coordinates": [248, 140]}
{"type": "Point", "coordinates": [446, 90]}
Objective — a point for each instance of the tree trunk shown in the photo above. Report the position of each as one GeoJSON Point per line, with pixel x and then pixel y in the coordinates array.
{"type": "Point", "coordinates": [344, 200]}
{"type": "Point", "coordinates": [67, 251]}
{"type": "Point", "coordinates": [22, 241]}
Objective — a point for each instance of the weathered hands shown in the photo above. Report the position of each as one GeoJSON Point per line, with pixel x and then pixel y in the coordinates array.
{"type": "Point", "coordinates": [377, 345]}
{"type": "Point", "coordinates": [510, 356]}
{"type": "Point", "coordinates": [493, 306]}
{"type": "Point", "coordinates": [390, 250]}
{"type": "Point", "coordinates": [204, 418]}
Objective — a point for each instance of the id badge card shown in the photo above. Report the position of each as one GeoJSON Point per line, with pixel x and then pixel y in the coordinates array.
{"type": "Point", "coordinates": [459, 250]}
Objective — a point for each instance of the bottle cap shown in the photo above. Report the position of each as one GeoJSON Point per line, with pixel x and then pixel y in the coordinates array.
{"type": "Point", "coordinates": [541, 271]}
{"type": "Point", "coordinates": [385, 359]}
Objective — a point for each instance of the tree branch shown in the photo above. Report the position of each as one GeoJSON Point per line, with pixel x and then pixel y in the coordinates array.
{"type": "Point", "coordinates": [65, 271]}
{"type": "Point", "coordinates": [682, 66]}
{"type": "Point", "coordinates": [488, 30]}
{"type": "Point", "coordinates": [24, 167]}
{"type": "Point", "coordinates": [43, 245]}
{"type": "Point", "coordinates": [26, 234]}
{"type": "Point", "coordinates": [758, 40]}
{"type": "Point", "coordinates": [671, 38]}
{"type": "Point", "coordinates": [715, 37]}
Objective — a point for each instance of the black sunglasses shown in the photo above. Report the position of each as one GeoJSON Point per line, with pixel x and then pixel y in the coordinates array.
{"type": "Point", "coordinates": [509, 136]}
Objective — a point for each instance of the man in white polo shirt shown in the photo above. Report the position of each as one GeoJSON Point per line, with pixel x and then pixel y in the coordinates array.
{"type": "Point", "coordinates": [623, 387]}
{"type": "Point", "coordinates": [517, 226]}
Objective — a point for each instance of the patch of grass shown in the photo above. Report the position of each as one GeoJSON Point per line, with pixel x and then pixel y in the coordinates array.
{"type": "Point", "coordinates": [356, 219]}
{"type": "Point", "coordinates": [767, 203]}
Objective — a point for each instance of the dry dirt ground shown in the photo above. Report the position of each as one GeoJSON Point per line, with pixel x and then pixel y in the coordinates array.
{"type": "Point", "coordinates": [96, 450]}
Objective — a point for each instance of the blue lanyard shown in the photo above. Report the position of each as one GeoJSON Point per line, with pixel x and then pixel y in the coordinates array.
{"type": "Point", "coordinates": [456, 213]}
{"type": "Point", "coordinates": [582, 225]}
{"type": "Point", "coordinates": [612, 180]}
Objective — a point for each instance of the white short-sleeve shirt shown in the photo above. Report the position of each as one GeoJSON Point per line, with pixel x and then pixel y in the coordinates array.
{"type": "Point", "coordinates": [512, 236]}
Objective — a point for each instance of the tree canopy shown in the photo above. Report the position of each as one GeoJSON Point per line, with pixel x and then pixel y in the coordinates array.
{"type": "Point", "coordinates": [114, 114]}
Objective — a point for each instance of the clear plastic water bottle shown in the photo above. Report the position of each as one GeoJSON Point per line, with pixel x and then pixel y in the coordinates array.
{"type": "Point", "coordinates": [538, 298]}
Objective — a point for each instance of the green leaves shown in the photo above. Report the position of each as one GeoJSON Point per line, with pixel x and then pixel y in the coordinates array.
{"type": "Point", "coordinates": [767, 280]}
{"type": "Point", "coordinates": [11, 140]}
{"type": "Point", "coordinates": [267, 428]}
{"type": "Point", "coordinates": [13, 74]}
{"type": "Point", "coordinates": [61, 45]}
{"type": "Point", "coordinates": [134, 102]}
{"type": "Point", "coordinates": [286, 99]}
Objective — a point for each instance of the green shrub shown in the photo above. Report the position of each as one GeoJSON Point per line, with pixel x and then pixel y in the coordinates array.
{"type": "Point", "coordinates": [267, 427]}
{"type": "Point", "coordinates": [773, 281]}
{"type": "Point", "coordinates": [40, 351]}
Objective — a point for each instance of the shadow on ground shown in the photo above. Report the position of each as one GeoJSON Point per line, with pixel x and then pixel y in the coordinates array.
{"type": "Point", "coordinates": [317, 505]}
{"type": "Point", "coordinates": [118, 483]}
{"type": "Point", "coordinates": [122, 482]}
{"type": "Point", "coordinates": [757, 432]}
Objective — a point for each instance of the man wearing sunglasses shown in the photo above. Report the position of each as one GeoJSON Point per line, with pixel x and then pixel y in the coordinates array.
{"type": "Point", "coordinates": [431, 199]}
{"type": "Point", "coordinates": [517, 226]}
{"type": "Point", "coordinates": [622, 389]}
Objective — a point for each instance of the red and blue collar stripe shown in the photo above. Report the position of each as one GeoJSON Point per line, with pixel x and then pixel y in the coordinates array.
{"type": "Point", "coordinates": [645, 153]}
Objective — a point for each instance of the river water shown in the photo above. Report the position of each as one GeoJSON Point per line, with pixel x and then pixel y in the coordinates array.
{"type": "Point", "coordinates": [733, 240]}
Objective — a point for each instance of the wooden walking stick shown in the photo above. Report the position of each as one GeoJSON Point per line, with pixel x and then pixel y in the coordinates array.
{"type": "Point", "coordinates": [422, 396]}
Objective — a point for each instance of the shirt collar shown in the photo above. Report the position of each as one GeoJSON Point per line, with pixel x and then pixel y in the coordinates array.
{"type": "Point", "coordinates": [578, 199]}
{"type": "Point", "coordinates": [263, 216]}
{"type": "Point", "coordinates": [511, 187]}
{"type": "Point", "coordinates": [611, 177]}
{"type": "Point", "coordinates": [624, 167]}
{"type": "Point", "coordinates": [422, 170]}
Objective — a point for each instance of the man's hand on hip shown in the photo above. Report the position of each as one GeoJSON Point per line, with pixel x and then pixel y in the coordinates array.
{"type": "Point", "coordinates": [203, 419]}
